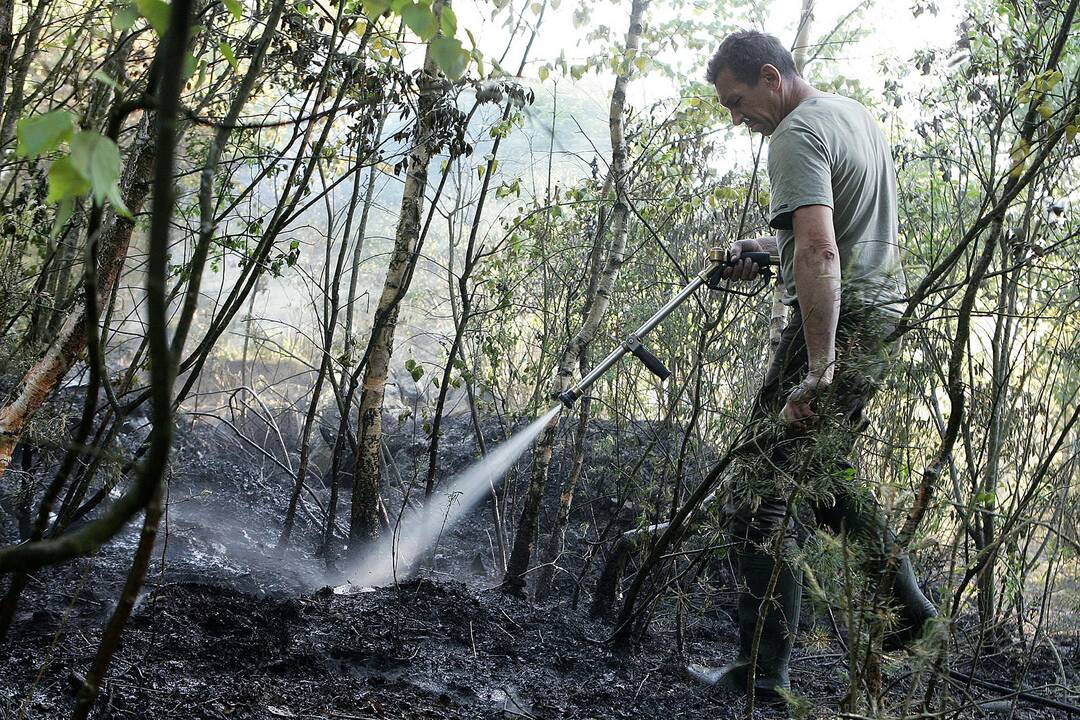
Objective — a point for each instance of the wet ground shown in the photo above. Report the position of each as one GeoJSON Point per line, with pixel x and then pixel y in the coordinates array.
{"type": "Point", "coordinates": [227, 628]}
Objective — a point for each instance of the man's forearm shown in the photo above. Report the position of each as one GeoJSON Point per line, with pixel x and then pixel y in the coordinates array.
{"type": "Point", "coordinates": [817, 283]}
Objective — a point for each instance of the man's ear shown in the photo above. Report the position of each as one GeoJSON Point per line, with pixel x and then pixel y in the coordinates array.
{"type": "Point", "coordinates": [770, 76]}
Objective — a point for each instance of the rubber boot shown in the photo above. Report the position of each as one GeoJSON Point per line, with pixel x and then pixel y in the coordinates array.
{"type": "Point", "coordinates": [915, 608]}
{"type": "Point", "coordinates": [779, 623]}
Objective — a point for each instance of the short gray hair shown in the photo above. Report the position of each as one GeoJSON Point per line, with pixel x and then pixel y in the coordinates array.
{"type": "Point", "coordinates": [745, 52]}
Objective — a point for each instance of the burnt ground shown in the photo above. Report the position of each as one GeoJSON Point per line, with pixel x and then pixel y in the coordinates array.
{"type": "Point", "coordinates": [227, 629]}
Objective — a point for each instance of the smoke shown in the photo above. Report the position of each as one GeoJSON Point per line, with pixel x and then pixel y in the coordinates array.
{"type": "Point", "coordinates": [393, 557]}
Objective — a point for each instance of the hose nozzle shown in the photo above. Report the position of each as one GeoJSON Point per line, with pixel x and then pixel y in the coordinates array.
{"type": "Point", "coordinates": [569, 397]}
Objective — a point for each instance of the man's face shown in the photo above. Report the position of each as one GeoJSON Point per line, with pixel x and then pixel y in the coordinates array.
{"type": "Point", "coordinates": [759, 106]}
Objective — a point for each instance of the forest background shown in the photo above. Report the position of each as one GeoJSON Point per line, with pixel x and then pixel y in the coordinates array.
{"type": "Point", "coordinates": [310, 226]}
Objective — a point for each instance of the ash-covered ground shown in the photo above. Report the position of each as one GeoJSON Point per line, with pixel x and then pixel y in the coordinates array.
{"type": "Point", "coordinates": [228, 628]}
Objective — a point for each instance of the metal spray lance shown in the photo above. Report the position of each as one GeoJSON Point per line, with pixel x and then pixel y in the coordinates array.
{"type": "Point", "coordinates": [711, 275]}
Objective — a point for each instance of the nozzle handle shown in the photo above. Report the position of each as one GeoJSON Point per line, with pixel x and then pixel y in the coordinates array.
{"type": "Point", "coordinates": [651, 361]}
{"type": "Point", "coordinates": [763, 259]}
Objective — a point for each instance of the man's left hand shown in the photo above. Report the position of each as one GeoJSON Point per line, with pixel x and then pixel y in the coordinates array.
{"type": "Point", "coordinates": [798, 412]}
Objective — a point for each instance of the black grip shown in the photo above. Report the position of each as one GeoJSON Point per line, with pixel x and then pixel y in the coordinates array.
{"type": "Point", "coordinates": [652, 362]}
{"type": "Point", "coordinates": [761, 258]}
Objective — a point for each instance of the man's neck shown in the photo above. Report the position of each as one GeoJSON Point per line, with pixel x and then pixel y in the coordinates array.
{"type": "Point", "coordinates": [800, 90]}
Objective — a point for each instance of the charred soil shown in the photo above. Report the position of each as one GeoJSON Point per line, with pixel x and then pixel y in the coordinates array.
{"type": "Point", "coordinates": [230, 628]}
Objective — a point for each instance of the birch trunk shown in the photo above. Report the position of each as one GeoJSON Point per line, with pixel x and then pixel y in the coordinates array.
{"type": "Point", "coordinates": [364, 523]}
{"type": "Point", "coordinates": [347, 385]}
{"type": "Point", "coordinates": [528, 526]}
{"type": "Point", "coordinates": [43, 377]}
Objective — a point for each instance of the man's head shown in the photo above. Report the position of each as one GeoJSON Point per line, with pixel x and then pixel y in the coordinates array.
{"type": "Point", "coordinates": [754, 75]}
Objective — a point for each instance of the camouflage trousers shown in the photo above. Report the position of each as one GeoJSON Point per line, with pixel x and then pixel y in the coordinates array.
{"type": "Point", "coordinates": [814, 465]}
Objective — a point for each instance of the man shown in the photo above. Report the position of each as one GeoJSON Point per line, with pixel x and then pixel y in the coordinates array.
{"type": "Point", "coordinates": [833, 206]}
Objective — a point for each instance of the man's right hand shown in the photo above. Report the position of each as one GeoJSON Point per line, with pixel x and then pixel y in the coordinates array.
{"type": "Point", "coordinates": [743, 269]}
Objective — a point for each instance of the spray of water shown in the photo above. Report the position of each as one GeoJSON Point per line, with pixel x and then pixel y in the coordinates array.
{"type": "Point", "coordinates": [395, 555]}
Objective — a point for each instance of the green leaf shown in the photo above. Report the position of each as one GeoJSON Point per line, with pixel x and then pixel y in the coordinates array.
{"type": "Point", "coordinates": [65, 181]}
{"type": "Point", "coordinates": [63, 214]}
{"type": "Point", "coordinates": [112, 194]}
{"type": "Point", "coordinates": [235, 8]}
{"type": "Point", "coordinates": [416, 370]}
{"type": "Point", "coordinates": [544, 73]}
{"type": "Point", "coordinates": [227, 51]}
{"type": "Point", "coordinates": [97, 159]}
{"type": "Point", "coordinates": [449, 56]}
{"type": "Point", "coordinates": [156, 13]}
{"type": "Point", "coordinates": [475, 54]}
{"type": "Point", "coordinates": [124, 17]}
{"type": "Point", "coordinates": [41, 133]}
{"type": "Point", "coordinates": [448, 21]}
{"type": "Point", "coordinates": [375, 8]}
{"type": "Point", "coordinates": [420, 20]}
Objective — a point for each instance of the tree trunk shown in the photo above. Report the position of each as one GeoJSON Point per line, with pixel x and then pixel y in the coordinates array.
{"type": "Point", "coordinates": [343, 437]}
{"type": "Point", "coordinates": [472, 257]}
{"type": "Point", "coordinates": [1001, 370]}
{"type": "Point", "coordinates": [778, 311]}
{"type": "Point", "coordinates": [88, 539]}
{"type": "Point", "coordinates": [14, 106]}
{"type": "Point", "coordinates": [554, 546]}
{"type": "Point", "coordinates": [364, 523]}
{"type": "Point", "coordinates": [528, 525]}
{"type": "Point", "coordinates": [43, 377]}
{"type": "Point", "coordinates": [330, 314]}
{"type": "Point", "coordinates": [7, 43]}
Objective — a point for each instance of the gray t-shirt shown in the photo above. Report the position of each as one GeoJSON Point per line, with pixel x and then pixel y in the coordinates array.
{"type": "Point", "coordinates": [829, 151]}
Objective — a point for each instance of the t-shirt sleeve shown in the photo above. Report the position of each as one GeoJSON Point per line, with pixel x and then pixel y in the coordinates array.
{"type": "Point", "coordinates": [799, 173]}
